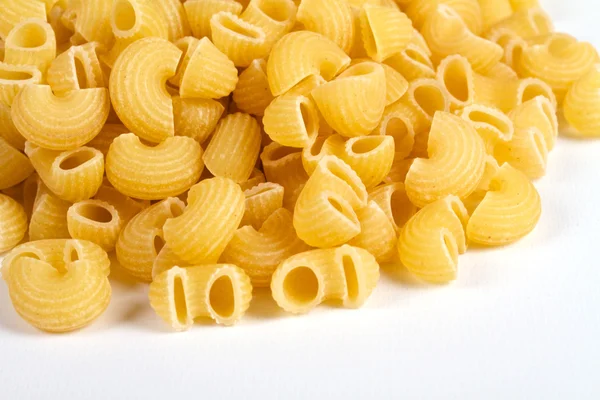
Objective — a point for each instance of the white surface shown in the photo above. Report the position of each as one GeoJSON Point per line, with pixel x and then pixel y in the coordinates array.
{"type": "Point", "coordinates": [521, 322]}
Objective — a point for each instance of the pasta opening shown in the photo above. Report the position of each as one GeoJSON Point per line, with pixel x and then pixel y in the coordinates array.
{"type": "Point", "coordinates": [309, 122]}
{"type": "Point", "coordinates": [456, 80]}
{"type": "Point", "coordinates": [531, 88]}
{"type": "Point", "coordinates": [301, 285]}
{"type": "Point", "coordinates": [401, 208]}
{"type": "Point", "coordinates": [429, 98]}
{"type": "Point", "coordinates": [14, 75]}
{"type": "Point", "coordinates": [417, 57]}
{"type": "Point", "coordinates": [502, 37]}
{"type": "Point", "coordinates": [73, 255]}
{"type": "Point", "coordinates": [351, 277]}
{"type": "Point", "coordinates": [336, 170]}
{"type": "Point", "coordinates": [95, 212]}
{"type": "Point", "coordinates": [179, 300]}
{"type": "Point", "coordinates": [175, 209]}
{"type": "Point", "coordinates": [489, 119]}
{"type": "Point", "coordinates": [76, 159]}
{"type": "Point", "coordinates": [222, 297]}
{"type": "Point", "coordinates": [364, 68]}
{"type": "Point", "coordinates": [282, 152]}
{"type": "Point", "coordinates": [158, 243]}
{"type": "Point", "coordinates": [368, 37]}
{"type": "Point", "coordinates": [80, 73]}
{"type": "Point", "coordinates": [367, 144]}
{"type": "Point", "coordinates": [29, 36]}
{"type": "Point", "coordinates": [275, 10]}
{"type": "Point", "coordinates": [398, 129]}
{"type": "Point", "coordinates": [317, 146]}
{"type": "Point", "coordinates": [240, 27]}
{"type": "Point", "coordinates": [124, 15]}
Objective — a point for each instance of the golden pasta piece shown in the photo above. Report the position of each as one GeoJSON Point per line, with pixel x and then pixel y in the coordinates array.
{"type": "Point", "coordinates": [14, 11]}
{"type": "Point", "coordinates": [509, 210]}
{"type": "Point", "coordinates": [292, 120]}
{"type": "Point", "coordinates": [48, 216]}
{"type": "Point", "coordinates": [239, 40]}
{"type": "Point", "coordinates": [413, 63]}
{"type": "Point", "coordinates": [539, 113]}
{"type": "Point", "coordinates": [490, 123]}
{"type": "Point", "coordinates": [262, 200]}
{"type": "Point", "coordinates": [13, 78]}
{"type": "Point", "coordinates": [15, 167]}
{"type": "Point", "coordinates": [13, 223]}
{"type": "Point", "coordinates": [72, 175]}
{"type": "Point", "coordinates": [306, 86]}
{"type": "Point", "coordinates": [199, 14]}
{"type": "Point", "coordinates": [455, 165]}
{"type": "Point", "coordinates": [518, 5]}
{"type": "Point", "coordinates": [104, 139]}
{"type": "Point", "coordinates": [399, 170]}
{"type": "Point", "coordinates": [125, 206]}
{"type": "Point", "coordinates": [432, 239]}
{"type": "Point", "coordinates": [283, 165]}
{"type": "Point", "coordinates": [320, 147]}
{"type": "Point", "coordinates": [196, 118]}
{"type": "Point", "coordinates": [175, 16]}
{"type": "Point", "coordinates": [494, 11]}
{"type": "Point", "coordinates": [258, 251]}
{"type": "Point", "coordinates": [256, 177]}
{"type": "Point", "coordinates": [31, 42]}
{"type": "Point", "coordinates": [60, 123]}
{"type": "Point", "coordinates": [215, 209]}
{"type": "Point", "coordinates": [396, 84]}
{"type": "Point", "coordinates": [221, 292]}
{"type": "Point", "coordinates": [502, 71]}
{"type": "Point", "coordinates": [331, 18]}
{"type": "Point", "coordinates": [456, 76]}
{"type": "Point", "coordinates": [385, 31]}
{"type": "Point", "coordinates": [394, 202]}
{"type": "Point", "coordinates": [77, 68]}
{"type": "Point", "coordinates": [8, 130]}
{"type": "Point", "coordinates": [92, 18]}
{"type": "Point", "coordinates": [165, 260]}
{"type": "Point", "coordinates": [470, 12]}
{"type": "Point", "coordinates": [274, 17]}
{"type": "Point", "coordinates": [346, 274]}
{"type": "Point", "coordinates": [298, 55]}
{"type": "Point", "coordinates": [526, 23]}
{"type": "Point", "coordinates": [137, 88]}
{"type": "Point", "coordinates": [95, 221]}
{"type": "Point", "coordinates": [398, 122]}
{"type": "Point", "coordinates": [582, 103]}
{"type": "Point", "coordinates": [252, 94]}
{"type": "Point", "coordinates": [377, 234]}
{"type": "Point", "coordinates": [527, 151]}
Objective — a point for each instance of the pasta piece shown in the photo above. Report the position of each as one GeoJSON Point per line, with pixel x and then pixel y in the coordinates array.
{"type": "Point", "coordinates": [494, 11]}
{"type": "Point", "coordinates": [348, 114]}
{"type": "Point", "coordinates": [31, 42]}
{"type": "Point", "coordinates": [509, 211]}
{"type": "Point", "coordinates": [258, 251]}
{"type": "Point", "coordinates": [95, 221]}
{"type": "Point", "coordinates": [166, 260]}
{"type": "Point", "coordinates": [447, 34]}
{"type": "Point", "coordinates": [15, 11]}
{"type": "Point", "coordinates": [385, 32]}
{"type": "Point", "coordinates": [60, 123]}
{"type": "Point", "coordinates": [456, 76]}
{"type": "Point", "coordinates": [13, 78]}
{"type": "Point", "coordinates": [475, 198]}
{"type": "Point", "coordinates": [13, 223]}
{"type": "Point", "coordinates": [125, 206]}
{"type": "Point", "coordinates": [72, 175]}
{"type": "Point", "coordinates": [292, 120]}
{"type": "Point", "coordinates": [107, 134]}
{"type": "Point", "coordinates": [221, 292]}
{"type": "Point", "coordinates": [539, 113]}
{"type": "Point", "coordinates": [234, 147]}
{"type": "Point", "coordinates": [518, 5]}
{"type": "Point", "coordinates": [14, 166]}
{"type": "Point", "coordinates": [176, 18]}
{"type": "Point", "coordinates": [431, 241]}
{"type": "Point", "coordinates": [48, 216]}
{"type": "Point", "coordinates": [320, 147]}
{"type": "Point", "coordinates": [76, 68]}
{"type": "Point", "coordinates": [395, 85]}
{"type": "Point", "coordinates": [8, 131]}
{"type": "Point", "coordinates": [92, 20]}
{"type": "Point", "coordinates": [199, 14]}
{"type": "Point", "coordinates": [413, 63]}
{"type": "Point", "coordinates": [398, 122]}
{"type": "Point", "coordinates": [283, 165]}
{"type": "Point", "coordinates": [331, 18]}
{"type": "Point", "coordinates": [140, 73]}
{"type": "Point", "coordinates": [455, 165]}
{"type": "Point", "coordinates": [299, 55]}
{"type": "Point", "coordinates": [582, 102]}
{"type": "Point", "coordinates": [306, 86]}
{"type": "Point", "coordinates": [502, 71]}
{"type": "Point", "coordinates": [526, 23]}
{"type": "Point", "coordinates": [201, 233]}
{"type": "Point", "coordinates": [261, 201]}
{"type": "Point", "coordinates": [527, 151]}
{"type": "Point", "coordinates": [252, 94]}
{"type": "Point", "coordinates": [377, 234]}
{"type": "Point", "coordinates": [153, 173]}
{"type": "Point", "coordinates": [490, 123]}
{"type": "Point", "coordinates": [469, 11]}
{"type": "Point", "coordinates": [196, 118]}
{"type": "Point", "coordinates": [346, 274]}
{"type": "Point", "coordinates": [204, 72]}
{"type": "Point", "coordinates": [274, 17]}
{"type": "Point", "coordinates": [399, 171]}
{"type": "Point", "coordinates": [394, 202]}
{"type": "Point", "coordinates": [256, 177]}
{"type": "Point", "coordinates": [239, 40]}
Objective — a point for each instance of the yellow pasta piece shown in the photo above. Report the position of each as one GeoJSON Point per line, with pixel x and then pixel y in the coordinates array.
{"type": "Point", "coordinates": [346, 274]}
{"type": "Point", "coordinates": [398, 122]}
{"type": "Point", "coordinates": [385, 32]}
{"type": "Point", "coordinates": [527, 151]}
{"type": "Point", "coordinates": [95, 221]}
{"type": "Point", "coordinates": [125, 206]}
{"type": "Point", "coordinates": [256, 177]}
{"type": "Point", "coordinates": [306, 86]}
{"type": "Point", "coordinates": [455, 165]}
{"type": "Point", "coordinates": [137, 88]}
{"type": "Point", "coordinates": [526, 23]}
{"type": "Point", "coordinates": [153, 173]}
{"type": "Point", "coordinates": [13, 78]}
{"type": "Point", "coordinates": [13, 223]}
{"type": "Point", "coordinates": [239, 40]}
{"type": "Point", "coordinates": [413, 63]}
{"type": "Point", "coordinates": [252, 94]}
{"type": "Point", "coordinates": [394, 202]}
{"type": "Point", "coordinates": [494, 11]}
{"type": "Point", "coordinates": [331, 18]}
{"type": "Point", "coordinates": [540, 113]}
{"type": "Point", "coordinates": [316, 150]}
{"type": "Point", "coordinates": [395, 84]}
{"type": "Point", "coordinates": [283, 165]}
{"type": "Point", "coordinates": [221, 292]}
{"type": "Point", "coordinates": [166, 260]}
{"type": "Point", "coordinates": [346, 112]}
{"type": "Point", "coordinates": [274, 17]}
{"type": "Point", "coordinates": [431, 241]}
{"type": "Point", "coordinates": [14, 11]}
{"type": "Point", "coordinates": [201, 233]}
{"type": "Point", "coordinates": [92, 20]}
{"type": "Point", "coordinates": [582, 102]}
{"type": "Point", "coordinates": [259, 251]}
{"type": "Point", "coordinates": [291, 120]}
{"type": "Point", "coordinates": [262, 200]}
{"type": "Point", "coordinates": [14, 166]}
{"type": "Point", "coordinates": [474, 199]}
{"type": "Point", "coordinates": [447, 34]}
{"type": "Point", "coordinates": [523, 4]}
{"type": "Point", "coordinates": [469, 11]}
{"type": "Point", "coordinates": [377, 234]}
{"type": "Point", "coordinates": [48, 216]}
{"type": "Point", "coordinates": [176, 18]}
{"type": "Point", "coordinates": [456, 76]}
{"type": "Point", "coordinates": [509, 210]}
{"type": "Point", "coordinates": [299, 55]}
{"type": "Point", "coordinates": [60, 123]}
{"type": "Point", "coordinates": [490, 123]}
{"type": "Point", "coordinates": [107, 134]}
{"type": "Point", "coordinates": [200, 12]}
{"type": "Point", "coordinates": [502, 71]}
{"type": "Point", "coordinates": [196, 118]}
{"type": "Point", "coordinates": [31, 42]}
{"type": "Point", "coordinates": [399, 170]}
{"type": "Point", "coordinates": [76, 68]}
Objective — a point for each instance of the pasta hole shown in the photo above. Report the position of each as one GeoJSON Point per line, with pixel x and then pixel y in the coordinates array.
{"type": "Point", "coordinates": [77, 159]}
{"type": "Point", "coordinates": [367, 144]}
{"type": "Point", "coordinates": [451, 246]}
{"type": "Point", "coordinates": [368, 37]}
{"type": "Point", "coordinates": [489, 119]}
{"type": "Point", "coordinates": [158, 243]}
{"type": "Point", "coordinates": [317, 146]}
{"type": "Point", "coordinates": [281, 152]}
{"type": "Point", "coordinates": [175, 209]}
{"type": "Point", "coordinates": [81, 74]}
{"type": "Point", "coordinates": [398, 130]}
{"type": "Point", "coordinates": [533, 89]}
{"type": "Point", "coordinates": [417, 57]}
{"type": "Point", "coordinates": [95, 212]}
{"type": "Point", "coordinates": [301, 285]}
{"type": "Point", "coordinates": [456, 81]}
{"type": "Point", "coordinates": [401, 208]}
{"type": "Point", "coordinates": [73, 255]}
{"type": "Point", "coordinates": [29, 36]}
{"type": "Point", "coordinates": [309, 122]}
{"type": "Point", "coordinates": [180, 300]}
{"type": "Point", "coordinates": [351, 277]}
{"type": "Point", "coordinates": [430, 99]}
{"type": "Point", "coordinates": [240, 28]}
{"type": "Point", "coordinates": [275, 10]}
{"type": "Point", "coordinates": [222, 297]}
{"type": "Point", "coordinates": [124, 15]}
{"type": "Point", "coordinates": [14, 75]}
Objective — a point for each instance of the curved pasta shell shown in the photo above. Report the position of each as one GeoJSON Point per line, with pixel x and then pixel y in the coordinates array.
{"type": "Point", "coordinates": [165, 260]}
{"type": "Point", "coordinates": [490, 123]}
{"type": "Point", "coordinates": [385, 31]}
{"type": "Point", "coordinates": [32, 42]}
{"type": "Point", "coordinates": [582, 102]}
{"type": "Point", "coordinates": [394, 202]}
{"type": "Point", "coordinates": [469, 10]}
{"type": "Point", "coordinates": [107, 134]}
{"type": "Point", "coordinates": [196, 118]}
{"type": "Point", "coordinates": [13, 224]}
{"type": "Point", "coordinates": [274, 17]}
{"type": "Point", "coordinates": [239, 40]}
{"type": "Point", "coordinates": [176, 18]}
{"type": "Point", "coordinates": [92, 21]}
{"type": "Point", "coordinates": [396, 84]}
{"type": "Point", "coordinates": [13, 78]}
{"type": "Point", "coordinates": [494, 11]}
{"type": "Point", "coordinates": [291, 120]}
{"type": "Point", "coordinates": [262, 200]}
{"type": "Point", "coordinates": [320, 147]}
{"type": "Point", "coordinates": [413, 63]}
{"type": "Point", "coordinates": [252, 93]}
{"type": "Point", "coordinates": [331, 18]}
{"type": "Point", "coordinates": [455, 165]}
{"type": "Point", "coordinates": [398, 122]}
{"type": "Point", "coordinates": [14, 12]}
{"type": "Point", "coordinates": [456, 76]}
{"type": "Point", "coordinates": [431, 241]}
{"type": "Point", "coordinates": [526, 23]}
{"type": "Point", "coordinates": [95, 221]}
{"type": "Point", "coordinates": [48, 216]}
{"type": "Point", "coordinates": [399, 171]}
{"type": "Point", "coordinates": [509, 211]}
{"type": "Point", "coordinates": [199, 14]}
{"type": "Point", "coordinates": [539, 113]}
{"type": "Point", "coordinates": [15, 167]}
{"type": "Point", "coordinates": [125, 205]}
{"type": "Point", "coordinates": [527, 151]}
{"type": "Point", "coordinates": [77, 68]}
{"type": "Point", "coordinates": [377, 234]}
{"type": "Point", "coordinates": [8, 130]}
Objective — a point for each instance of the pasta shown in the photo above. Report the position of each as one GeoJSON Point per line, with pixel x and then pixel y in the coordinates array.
{"type": "Point", "coordinates": [76, 68]}
{"type": "Point", "coordinates": [252, 94]}
{"type": "Point", "coordinates": [199, 14]}
{"type": "Point", "coordinates": [14, 166]}
{"type": "Point", "coordinates": [291, 120]}
{"type": "Point", "coordinates": [398, 122]}
{"type": "Point", "coordinates": [13, 78]}
{"type": "Point", "coordinates": [221, 292]}
{"type": "Point", "coordinates": [456, 76]}
{"type": "Point", "coordinates": [176, 18]}
{"type": "Point", "coordinates": [540, 113]}
{"type": "Point", "coordinates": [399, 170]}
{"type": "Point", "coordinates": [494, 11]}
{"type": "Point", "coordinates": [385, 31]}
{"type": "Point", "coordinates": [13, 223]}
{"type": "Point", "coordinates": [491, 124]}
{"type": "Point", "coordinates": [346, 274]}
{"type": "Point", "coordinates": [234, 147]}
{"type": "Point", "coordinates": [262, 200]}
{"type": "Point", "coordinates": [256, 177]}
{"type": "Point", "coordinates": [92, 20]}
{"type": "Point", "coordinates": [31, 42]}
{"type": "Point", "coordinates": [413, 63]}
{"type": "Point", "coordinates": [432, 239]}
{"type": "Point", "coordinates": [509, 211]}
{"type": "Point", "coordinates": [107, 134]}
{"type": "Point", "coordinates": [165, 260]}
{"type": "Point", "coordinates": [331, 18]}
{"type": "Point", "coordinates": [8, 131]}
{"type": "Point", "coordinates": [95, 221]}
{"type": "Point", "coordinates": [394, 202]}
{"type": "Point", "coordinates": [153, 173]}
{"type": "Point", "coordinates": [317, 149]}
{"type": "Point", "coordinates": [274, 17]}
{"type": "Point", "coordinates": [377, 234]}
{"type": "Point", "coordinates": [48, 214]}
{"type": "Point", "coordinates": [580, 107]}
{"type": "Point", "coordinates": [396, 85]}
{"type": "Point", "coordinates": [526, 23]}
{"type": "Point", "coordinates": [239, 40]}
{"type": "Point", "coordinates": [125, 206]}
{"type": "Point", "coordinates": [469, 11]}
{"type": "Point", "coordinates": [196, 118]}
{"type": "Point", "coordinates": [15, 11]}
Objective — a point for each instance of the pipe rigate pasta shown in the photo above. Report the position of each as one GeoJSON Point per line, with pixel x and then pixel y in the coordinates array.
{"type": "Point", "coordinates": [456, 76]}
{"type": "Point", "coordinates": [540, 113]}
{"type": "Point", "coordinates": [199, 14]}
{"type": "Point", "coordinates": [262, 200]}
{"type": "Point", "coordinates": [398, 122]}
{"type": "Point", "coordinates": [582, 103]}
{"type": "Point", "coordinates": [316, 150]}
{"type": "Point", "coordinates": [490, 123]}
{"type": "Point", "coordinates": [384, 31]}
{"type": "Point", "coordinates": [527, 151]}
{"type": "Point", "coordinates": [92, 19]}
{"type": "Point", "coordinates": [377, 234]}
{"type": "Point", "coordinates": [395, 85]}
{"type": "Point", "coordinates": [469, 11]}
{"type": "Point", "coordinates": [239, 40]}
{"type": "Point", "coordinates": [165, 260]}
{"type": "Point", "coordinates": [95, 221]}
{"type": "Point", "coordinates": [15, 11]}
{"type": "Point", "coordinates": [8, 130]}
{"type": "Point", "coordinates": [107, 135]}
{"type": "Point", "coordinates": [125, 205]}
{"type": "Point", "coordinates": [291, 120]}
{"type": "Point", "coordinates": [196, 118]}
{"type": "Point", "coordinates": [252, 94]}
{"type": "Point", "coordinates": [526, 23]}
{"type": "Point", "coordinates": [256, 177]}
{"type": "Point", "coordinates": [394, 202]}
{"type": "Point", "coordinates": [331, 18]}
{"type": "Point", "coordinates": [13, 78]}
{"type": "Point", "coordinates": [31, 42]}
{"type": "Point", "coordinates": [77, 68]}
{"type": "Point", "coordinates": [274, 17]}
{"type": "Point", "coordinates": [13, 223]}
{"type": "Point", "coordinates": [413, 63]}
{"type": "Point", "coordinates": [176, 18]}
{"type": "Point", "coordinates": [15, 167]}
{"type": "Point", "coordinates": [48, 214]}
{"type": "Point", "coordinates": [494, 11]}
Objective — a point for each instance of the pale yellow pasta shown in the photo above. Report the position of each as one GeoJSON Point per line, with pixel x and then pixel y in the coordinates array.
{"type": "Point", "coordinates": [204, 72]}
{"type": "Point", "coordinates": [107, 134]}
{"type": "Point", "coordinates": [316, 150]}
{"type": "Point", "coordinates": [446, 34]}
{"type": "Point", "coordinates": [456, 76]}
{"type": "Point", "coordinates": [377, 234]}
{"type": "Point", "coordinates": [540, 113]}
{"type": "Point", "coordinates": [345, 274]}
{"type": "Point", "coordinates": [274, 17]}
{"type": "Point", "coordinates": [95, 221]}
{"type": "Point", "coordinates": [15, 167]}
{"type": "Point", "coordinates": [523, 4]}
{"type": "Point", "coordinates": [509, 210]}
{"type": "Point", "coordinates": [413, 63]}
{"type": "Point", "coordinates": [174, 14]}
{"type": "Point", "coordinates": [262, 200]}
{"type": "Point", "coordinates": [283, 165]}
{"type": "Point", "coordinates": [215, 209]}
{"type": "Point", "coordinates": [331, 18]}
{"type": "Point", "coordinates": [142, 238]}
{"type": "Point", "coordinates": [221, 292]}
{"type": "Point", "coordinates": [394, 202]}
{"type": "Point", "coordinates": [13, 223]}
{"type": "Point", "coordinates": [234, 147]}
{"type": "Point", "coordinates": [165, 260]}
{"type": "Point", "coordinates": [502, 71]}
{"type": "Point", "coordinates": [472, 201]}
{"type": "Point", "coordinates": [353, 103]}
{"type": "Point", "coordinates": [199, 13]}
{"type": "Point", "coordinates": [398, 122]}
{"type": "Point", "coordinates": [490, 123]}
{"type": "Point", "coordinates": [385, 32]}
{"type": "Point", "coordinates": [395, 84]}
{"type": "Point", "coordinates": [13, 78]}
{"type": "Point", "coordinates": [299, 55]}
{"type": "Point", "coordinates": [48, 216]}
{"type": "Point", "coordinates": [92, 20]}
{"type": "Point", "coordinates": [582, 103]}
{"type": "Point", "coordinates": [455, 165]}
{"type": "Point", "coordinates": [258, 251]}
{"type": "Point", "coordinates": [196, 118]}
{"type": "Point", "coordinates": [469, 10]}
{"type": "Point", "coordinates": [494, 11]}
{"type": "Point", "coordinates": [125, 206]}
{"type": "Point", "coordinates": [399, 170]}
{"type": "Point", "coordinates": [256, 177]}
{"type": "Point", "coordinates": [252, 94]}
{"type": "Point", "coordinates": [291, 120]}
{"type": "Point", "coordinates": [526, 23]}
{"type": "Point", "coordinates": [239, 40]}
{"type": "Point", "coordinates": [527, 152]}
{"type": "Point", "coordinates": [31, 42]}
{"type": "Point", "coordinates": [153, 172]}
{"type": "Point", "coordinates": [76, 68]}
{"type": "Point", "coordinates": [60, 123]}
{"type": "Point", "coordinates": [14, 11]}
{"type": "Point", "coordinates": [432, 239]}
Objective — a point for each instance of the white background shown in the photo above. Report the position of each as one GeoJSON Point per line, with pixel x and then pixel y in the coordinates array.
{"type": "Point", "coordinates": [521, 322]}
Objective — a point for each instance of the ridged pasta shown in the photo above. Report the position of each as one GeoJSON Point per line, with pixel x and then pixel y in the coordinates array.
{"type": "Point", "coordinates": [331, 18]}
{"type": "Point", "coordinates": [317, 149]}
{"type": "Point", "coordinates": [153, 173]}
{"type": "Point", "coordinates": [494, 11]}
{"type": "Point", "coordinates": [107, 134]}
{"type": "Point", "coordinates": [48, 214]}
{"type": "Point", "coordinates": [292, 120]}
{"type": "Point", "coordinates": [252, 94]}
{"type": "Point", "coordinates": [431, 241]}
{"type": "Point", "coordinates": [526, 23]}
{"type": "Point", "coordinates": [345, 274]}
{"type": "Point", "coordinates": [274, 17]}
{"type": "Point", "coordinates": [490, 123]}
{"type": "Point", "coordinates": [215, 209]}
{"type": "Point", "coordinates": [13, 78]}
{"type": "Point", "coordinates": [527, 151]}
{"type": "Point", "coordinates": [582, 102]}
{"type": "Point", "coordinates": [469, 11]}
{"type": "Point", "coordinates": [15, 11]}
{"type": "Point", "coordinates": [377, 234]}
{"type": "Point", "coordinates": [384, 31]}
{"type": "Point", "coordinates": [456, 76]}
{"type": "Point", "coordinates": [298, 55]}
{"type": "Point", "coordinates": [60, 123]}
{"type": "Point", "coordinates": [125, 206]}
{"type": "Point", "coordinates": [395, 84]}
{"type": "Point", "coordinates": [176, 18]}
{"type": "Point", "coordinates": [256, 177]}
{"type": "Point", "coordinates": [165, 260]}
{"type": "Point", "coordinates": [92, 20]}
{"type": "Point", "coordinates": [455, 165]}
{"type": "Point", "coordinates": [258, 251]}
{"type": "Point", "coordinates": [502, 71]}
{"type": "Point", "coordinates": [76, 68]}
{"type": "Point", "coordinates": [15, 167]}
{"type": "Point", "coordinates": [509, 210]}
{"type": "Point", "coordinates": [398, 122]}
{"type": "Point", "coordinates": [8, 130]}
{"type": "Point", "coordinates": [31, 42]}
{"type": "Point", "coordinates": [413, 63]}
{"type": "Point", "coordinates": [262, 200]}
{"type": "Point", "coordinates": [239, 40]}
{"type": "Point", "coordinates": [283, 165]}
{"type": "Point", "coordinates": [399, 170]}
{"type": "Point", "coordinates": [13, 223]}
{"type": "Point", "coordinates": [196, 118]}
{"type": "Point", "coordinates": [199, 14]}
{"type": "Point", "coordinates": [221, 292]}
{"type": "Point", "coordinates": [394, 202]}
{"type": "Point", "coordinates": [540, 113]}
{"type": "Point", "coordinates": [95, 221]}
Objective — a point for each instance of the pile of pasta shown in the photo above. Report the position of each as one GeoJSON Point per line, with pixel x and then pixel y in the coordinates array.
{"type": "Point", "coordinates": [218, 146]}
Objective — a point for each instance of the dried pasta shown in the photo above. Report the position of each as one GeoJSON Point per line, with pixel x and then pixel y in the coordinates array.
{"type": "Point", "coordinates": [491, 124]}
{"type": "Point", "coordinates": [413, 63]}
{"type": "Point", "coordinates": [15, 11]}
{"type": "Point", "coordinates": [274, 17]}
{"type": "Point", "coordinates": [469, 11]}
{"type": "Point", "coordinates": [385, 31]}
{"type": "Point", "coordinates": [48, 214]}
{"type": "Point", "coordinates": [252, 94]}
{"type": "Point", "coordinates": [15, 167]}
{"type": "Point", "coordinates": [104, 139]}
{"type": "Point", "coordinates": [394, 202]}
{"type": "Point", "coordinates": [262, 200]}
{"type": "Point", "coordinates": [239, 40]}
{"type": "Point", "coordinates": [13, 223]}
{"type": "Point", "coordinates": [377, 234]}
{"type": "Point", "coordinates": [494, 11]}
{"type": "Point", "coordinates": [77, 68]}
{"type": "Point", "coordinates": [292, 120]}
{"type": "Point", "coordinates": [199, 14]}
{"type": "Point", "coordinates": [580, 107]}
{"type": "Point", "coordinates": [333, 19]}
{"type": "Point", "coordinates": [95, 221]}
{"type": "Point", "coordinates": [31, 42]}
{"type": "Point", "coordinates": [13, 78]}
{"type": "Point", "coordinates": [125, 206]}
